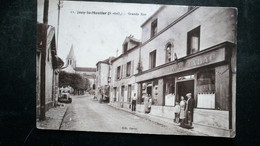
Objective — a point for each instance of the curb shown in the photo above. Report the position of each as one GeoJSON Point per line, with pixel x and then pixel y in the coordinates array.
{"type": "Point", "coordinates": [63, 117]}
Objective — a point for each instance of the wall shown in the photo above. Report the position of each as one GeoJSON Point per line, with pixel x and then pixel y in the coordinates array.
{"type": "Point", "coordinates": [125, 81]}
{"type": "Point", "coordinates": [210, 33]}
{"type": "Point", "coordinates": [104, 69]}
{"type": "Point", "coordinates": [164, 18]}
{"type": "Point", "coordinates": [69, 69]}
{"type": "Point", "coordinates": [48, 78]}
{"type": "Point", "coordinates": [38, 84]}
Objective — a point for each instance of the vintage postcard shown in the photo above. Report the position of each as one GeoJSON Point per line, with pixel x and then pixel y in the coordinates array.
{"type": "Point", "coordinates": [136, 68]}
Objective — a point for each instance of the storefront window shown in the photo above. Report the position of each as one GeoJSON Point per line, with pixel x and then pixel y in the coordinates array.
{"type": "Point", "coordinates": [206, 89]}
{"type": "Point", "coordinates": [170, 91]}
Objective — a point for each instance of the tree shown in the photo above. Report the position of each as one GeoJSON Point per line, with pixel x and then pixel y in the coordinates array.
{"type": "Point", "coordinates": [75, 80]}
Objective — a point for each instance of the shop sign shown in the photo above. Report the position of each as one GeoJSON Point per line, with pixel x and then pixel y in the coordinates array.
{"type": "Point", "coordinates": [194, 62]}
{"type": "Point", "coordinates": [200, 60]}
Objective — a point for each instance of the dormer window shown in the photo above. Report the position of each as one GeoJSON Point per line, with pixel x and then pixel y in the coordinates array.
{"type": "Point", "coordinates": [125, 47]}
{"type": "Point", "coordinates": [153, 28]}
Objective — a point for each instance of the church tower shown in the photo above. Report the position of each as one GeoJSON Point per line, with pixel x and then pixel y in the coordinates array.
{"type": "Point", "coordinates": [71, 59]}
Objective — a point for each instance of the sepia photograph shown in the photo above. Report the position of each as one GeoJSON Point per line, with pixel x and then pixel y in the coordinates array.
{"type": "Point", "coordinates": [136, 68]}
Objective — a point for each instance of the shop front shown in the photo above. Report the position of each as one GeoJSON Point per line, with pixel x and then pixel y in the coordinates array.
{"type": "Point", "coordinates": [207, 75]}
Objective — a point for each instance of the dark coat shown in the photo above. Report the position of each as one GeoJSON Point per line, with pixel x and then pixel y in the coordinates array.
{"type": "Point", "coordinates": [190, 105]}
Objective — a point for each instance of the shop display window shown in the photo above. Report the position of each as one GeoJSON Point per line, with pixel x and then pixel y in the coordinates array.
{"type": "Point", "coordinates": [206, 89]}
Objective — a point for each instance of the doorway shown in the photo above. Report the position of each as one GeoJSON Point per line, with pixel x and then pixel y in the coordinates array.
{"type": "Point", "coordinates": [129, 93]}
{"type": "Point", "coordinates": [122, 93]}
{"type": "Point", "coordinates": [184, 87]}
{"type": "Point", "coordinates": [115, 97]}
{"type": "Point", "coordinates": [149, 90]}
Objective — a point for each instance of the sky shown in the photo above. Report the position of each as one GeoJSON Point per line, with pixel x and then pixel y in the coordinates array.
{"type": "Point", "coordinates": [95, 37]}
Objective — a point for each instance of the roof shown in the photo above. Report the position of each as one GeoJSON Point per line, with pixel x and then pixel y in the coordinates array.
{"type": "Point", "coordinates": [128, 51]}
{"type": "Point", "coordinates": [90, 76]}
{"type": "Point", "coordinates": [106, 61]}
{"type": "Point", "coordinates": [132, 39]}
{"type": "Point", "coordinates": [71, 53]}
{"type": "Point", "coordinates": [162, 7]}
{"type": "Point", "coordinates": [87, 69]}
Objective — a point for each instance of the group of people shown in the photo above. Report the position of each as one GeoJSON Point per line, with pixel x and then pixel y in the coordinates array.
{"type": "Point", "coordinates": [184, 111]}
{"type": "Point", "coordinates": [147, 103]}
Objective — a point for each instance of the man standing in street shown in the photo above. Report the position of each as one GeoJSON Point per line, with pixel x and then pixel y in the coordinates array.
{"type": "Point", "coordinates": [134, 102]}
{"type": "Point", "coordinates": [189, 109]}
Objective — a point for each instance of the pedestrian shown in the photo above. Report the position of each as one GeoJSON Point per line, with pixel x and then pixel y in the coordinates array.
{"type": "Point", "coordinates": [149, 103]}
{"type": "Point", "coordinates": [189, 109]}
{"type": "Point", "coordinates": [134, 102]}
{"type": "Point", "coordinates": [182, 111]}
{"type": "Point", "coordinates": [146, 103]}
{"type": "Point", "coordinates": [177, 110]}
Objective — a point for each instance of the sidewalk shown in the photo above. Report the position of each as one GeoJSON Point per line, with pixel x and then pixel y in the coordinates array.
{"type": "Point", "coordinates": [162, 121]}
{"type": "Point", "coordinates": [54, 117]}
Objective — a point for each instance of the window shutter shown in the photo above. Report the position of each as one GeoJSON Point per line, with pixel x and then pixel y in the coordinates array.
{"type": "Point", "coordinates": [125, 65]}
{"type": "Point", "coordinates": [132, 67]}
{"type": "Point", "coordinates": [121, 71]}
{"type": "Point", "coordinates": [115, 73]}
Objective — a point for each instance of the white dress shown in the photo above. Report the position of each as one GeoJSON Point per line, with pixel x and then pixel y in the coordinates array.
{"type": "Point", "coordinates": [182, 112]}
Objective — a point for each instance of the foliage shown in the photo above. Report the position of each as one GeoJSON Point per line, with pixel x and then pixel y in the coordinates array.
{"type": "Point", "coordinates": [76, 81]}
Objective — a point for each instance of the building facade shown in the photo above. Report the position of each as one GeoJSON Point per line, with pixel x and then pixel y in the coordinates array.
{"type": "Point", "coordinates": [192, 51]}
{"type": "Point", "coordinates": [124, 67]}
{"type": "Point", "coordinates": [103, 77]}
{"type": "Point", "coordinates": [48, 66]}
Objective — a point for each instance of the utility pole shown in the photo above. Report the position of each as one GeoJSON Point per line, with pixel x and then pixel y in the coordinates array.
{"type": "Point", "coordinates": [59, 6]}
{"type": "Point", "coordinates": [43, 59]}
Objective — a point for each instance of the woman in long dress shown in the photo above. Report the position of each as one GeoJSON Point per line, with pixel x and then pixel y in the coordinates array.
{"type": "Point", "coordinates": [182, 112]}
{"type": "Point", "coordinates": [146, 104]}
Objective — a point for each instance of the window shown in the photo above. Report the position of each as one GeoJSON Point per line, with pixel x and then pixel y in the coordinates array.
{"type": "Point", "coordinates": [153, 28]}
{"type": "Point", "coordinates": [206, 89]}
{"type": "Point", "coordinates": [128, 69]}
{"type": "Point", "coordinates": [69, 62]}
{"type": "Point", "coordinates": [125, 47]}
{"type": "Point", "coordinates": [168, 53]}
{"type": "Point", "coordinates": [118, 73]}
{"type": "Point", "coordinates": [152, 59]}
{"type": "Point", "coordinates": [193, 42]}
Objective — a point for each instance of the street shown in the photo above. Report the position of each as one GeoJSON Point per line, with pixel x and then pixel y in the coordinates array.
{"type": "Point", "coordinates": [86, 114]}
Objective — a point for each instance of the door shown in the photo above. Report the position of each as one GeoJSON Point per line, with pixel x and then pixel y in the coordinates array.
{"type": "Point", "coordinates": [129, 91]}
{"type": "Point", "coordinates": [184, 87]}
{"type": "Point", "coordinates": [122, 93]}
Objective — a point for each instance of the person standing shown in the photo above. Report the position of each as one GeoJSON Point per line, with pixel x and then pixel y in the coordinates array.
{"type": "Point", "coordinates": [189, 109]}
{"type": "Point", "coordinates": [134, 102]}
{"type": "Point", "coordinates": [146, 103]}
{"type": "Point", "coordinates": [177, 110]}
{"type": "Point", "coordinates": [149, 103]}
{"type": "Point", "coordinates": [182, 111]}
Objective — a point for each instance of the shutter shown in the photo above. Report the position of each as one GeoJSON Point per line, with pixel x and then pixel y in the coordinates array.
{"type": "Point", "coordinates": [121, 71]}
{"type": "Point", "coordinates": [132, 67]}
{"type": "Point", "coordinates": [125, 65]}
{"type": "Point", "coordinates": [115, 74]}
